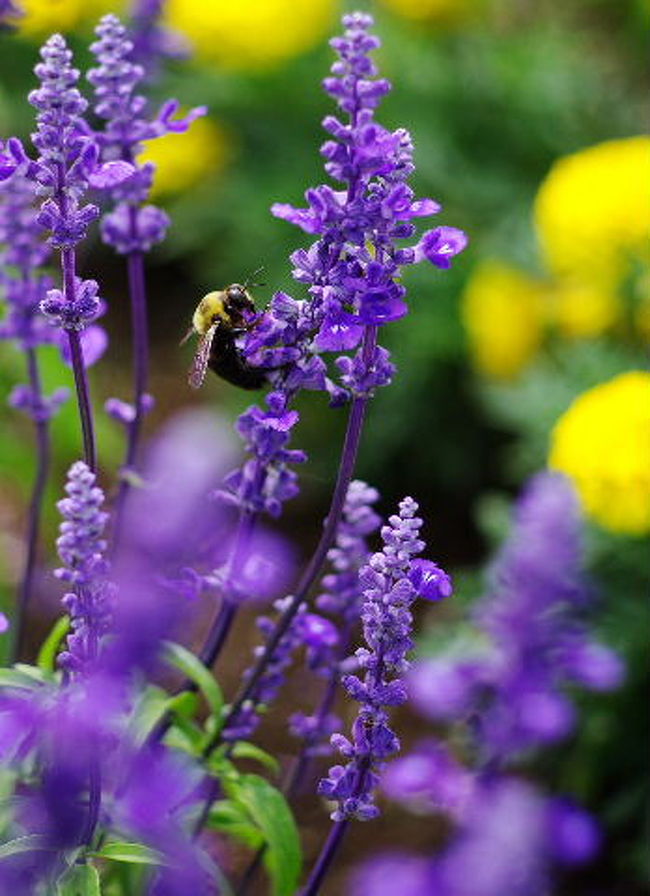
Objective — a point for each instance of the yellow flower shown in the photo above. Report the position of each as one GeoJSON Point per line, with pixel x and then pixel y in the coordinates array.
{"type": "Point", "coordinates": [592, 212]}
{"type": "Point", "coordinates": [603, 442]}
{"type": "Point", "coordinates": [438, 11]}
{"type": "Point", "coordinates": [254, 34]}
{"type": "Point", "coordinates": [42, 17]}
{"type": "Point", "coordinates": [582, 308]}
{"type": "Point", "coordinates": [183, 160]}
{"type": "Point", "coordinates": [503, 311]}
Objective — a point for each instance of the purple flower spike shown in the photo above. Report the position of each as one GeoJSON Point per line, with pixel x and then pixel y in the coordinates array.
{"type": "Point", "coordinates": [62, 134]}
{"type": "Point", "coordinates": [81, 549]}
{"type": "Point", "coordinates": [387, 622]}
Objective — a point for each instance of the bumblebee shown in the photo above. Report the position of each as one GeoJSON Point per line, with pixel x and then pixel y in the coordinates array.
{"type": "Point", "coordinates": [220, 317]}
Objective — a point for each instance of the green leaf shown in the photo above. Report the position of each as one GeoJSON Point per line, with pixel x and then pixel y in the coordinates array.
{"type": "Point", "coordinates": [119, 851]}
{"type": "Point", "coordinates": [245, 750]}
{"type": "Point", "coordinates": [269, 810]}
{"type": "Point", "coordinates": [16, 678]}
{"type": "Point", "coordinates": [22, 844]}
{"type": "Point", "coordinates": [80, 880]}
{"type": "Point", "coordinates": [192, 667]}
{"type": "Point", "coordinates": [46, 660]}
{"type": "Point", "coordinates": [234, 821]}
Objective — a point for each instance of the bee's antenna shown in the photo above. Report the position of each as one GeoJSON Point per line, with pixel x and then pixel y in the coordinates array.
{"type": "Point", "coordinates": [249, 280]}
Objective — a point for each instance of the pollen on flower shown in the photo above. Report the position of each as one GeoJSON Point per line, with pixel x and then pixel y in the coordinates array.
{"type": "Point", "coordinates": [603, 443]}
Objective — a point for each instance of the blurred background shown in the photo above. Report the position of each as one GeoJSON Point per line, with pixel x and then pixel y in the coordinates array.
{"type": "Point", "coordinates": [527, 119]}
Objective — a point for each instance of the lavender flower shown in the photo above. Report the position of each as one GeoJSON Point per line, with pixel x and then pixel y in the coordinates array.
{"type": "Point", "coordinates": [81, 549]}
{"type": "Point", "coordinates": [353, 270]}
{"type": "Point", "coordinates": [265, 481]}
{"type": "Point", "coordinates": [153, 42]}
{"type": "Point", "coordinates": [536, 641]}
{"type": "Point", "coordinates": [390, 587]}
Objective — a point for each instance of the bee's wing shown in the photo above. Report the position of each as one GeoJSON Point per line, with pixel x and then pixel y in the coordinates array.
{"type": "Point", "coordinates": [201, 358]}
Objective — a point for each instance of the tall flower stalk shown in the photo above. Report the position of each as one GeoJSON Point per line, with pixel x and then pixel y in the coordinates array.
{"type": "Point", "coordinates": [133, 226]}
{"type": "Point", "coordinates": [352, 272]}
{"type": "Point", "coordinates": [24, 285]}
{"type": "Point", "coordinates": [390, 581]}
{"type": "Point", "coordinates": [67, 160]}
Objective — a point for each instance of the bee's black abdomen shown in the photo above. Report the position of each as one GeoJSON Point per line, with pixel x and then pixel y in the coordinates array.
{"type": "Point", "coordinates": [227, 362]}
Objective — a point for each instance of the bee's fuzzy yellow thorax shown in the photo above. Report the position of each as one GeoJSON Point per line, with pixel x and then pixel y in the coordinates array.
{"type": "Point", "coordinates": [210, 306]}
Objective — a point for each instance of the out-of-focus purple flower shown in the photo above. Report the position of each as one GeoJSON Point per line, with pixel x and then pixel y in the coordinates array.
{"type": "Point", "coordinates": [535, 643]}
{"type": "Point", "coordinates": [392, 873]}
{"type": "Point", "coordinates": [429, 778]}
{"type": "Point", "coordinates": [574, 836]}
{"type": "Point", "coordinates": [153, 42]}
{"type": "Point", "coordinates": [387, 622]}
{"type": "Point", "coordinates": [123, 412]}
{"type": "Point", "coordinates": [169, 524]}
{"type": "Point", "coordinates": [9, 11]}
{"type": "Point", "coordinates": [4, 624]}
{"type": "Point", "coordinates": [81, 547]}
{"type": "Point", "coordinates": [94, 342]}
{"type": "Point", "coordinates": [131, 226]}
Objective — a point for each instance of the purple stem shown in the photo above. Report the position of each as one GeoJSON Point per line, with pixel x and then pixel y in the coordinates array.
{"type": "Point", "coordinates": [78, 367]}
{"type": "Point", "coordinates": [140, 331]}
{"type": "Point", "coordinates": [325, 858]}
{"type": "Point", "coordinates": [35, 504]}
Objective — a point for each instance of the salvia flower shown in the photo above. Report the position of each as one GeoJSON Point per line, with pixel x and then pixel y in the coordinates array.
{"type": "Point", "coordinates": [68, 154]}
{"type": "Point", "coordinates": [389, 591]}
{"type": "Point", "coordinates": [131, 226]}
{"type": "Point", "coordinates": [81, 547]}
{"type": "Point", "coordinates": [265, 481]}
{"type": "Point", "coordinates": [353, 270]}
{"type": "Point", "coordinates": [537, 643]}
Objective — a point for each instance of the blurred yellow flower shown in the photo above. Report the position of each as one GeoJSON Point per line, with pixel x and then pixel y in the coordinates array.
{"type": "Point", "coordinates": [592, 212]}
{"type": "Point", "coordinates": [254, 34]}
{"type": "Point", "coordinates": [439, 11]}
{"type": "Point", "coordinates": [182, 160]}
{"type": "Point", "coordinates": [503, 311]}
{"type": "Point", "coordinates": [42, 17]}
{"type": "Point", "coordinates": [582, 308]}
{"type": "Point", "coordinates": [603, 442]}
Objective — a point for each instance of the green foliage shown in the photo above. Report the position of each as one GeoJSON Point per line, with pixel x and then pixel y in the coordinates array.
{"type": "Point", "coordinates": [79, 880]}
{"type": "Point", "coordinates": [257, 814]}
{"type": "Point", "coordinates": [46, 660]}
{"type": "Point", "coordinates": [133, 853]}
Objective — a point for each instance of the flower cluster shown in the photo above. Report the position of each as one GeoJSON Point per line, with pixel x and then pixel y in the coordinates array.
{"type": "Point", "coordinates": [81, 548]}
{"type": "Point", "coordinates": [537, 644]}
{"type": "Point", "coordinates": [265, 481]}
{"type": "Point", "coordinates": [131, 226]}
{"type": "Point", "coordinates": [353, 269]}
{"type": "Point", "coordinates": [391, 581]}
